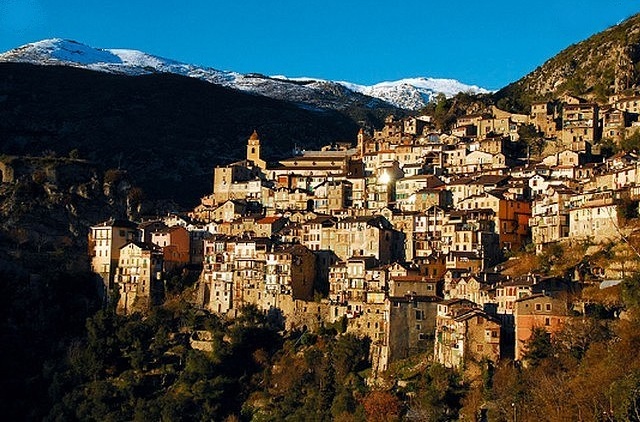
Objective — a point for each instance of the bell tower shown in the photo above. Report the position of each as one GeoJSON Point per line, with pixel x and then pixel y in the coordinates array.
{"type": "Point", "coordinates": [253, 151]}
{"type": "Point", "coordinates": [361, 140]}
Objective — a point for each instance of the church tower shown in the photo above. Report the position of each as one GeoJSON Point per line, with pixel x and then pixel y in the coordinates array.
{"type": "Point", "coordinates": [253, 151]}
{"type": "Point", "coordinates": [361, 140]}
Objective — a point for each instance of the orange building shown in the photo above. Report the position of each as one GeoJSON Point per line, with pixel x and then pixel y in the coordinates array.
{"type": "Point", "coordinates": [511, 219]}
{"type": "Point", "coordinates": [175, 244]}
{"type": "Point", "coordinates": [538, 311]}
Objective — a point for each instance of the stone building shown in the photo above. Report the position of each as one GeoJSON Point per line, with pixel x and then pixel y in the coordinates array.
{"type": "Point", "coordinates": [408, 330]}
{"type": "Point", "coordinates": [594, 217]}
{"type": "Point", "coordinates": [368, 236]}
{"type": "Point", "coordinates": [105, 241]}
{"type": "Point", "coordinates": [139, 277]}
{"type": "Point", "coordinates": [545, 118]}
{"type": "Point", "coordinates": [243, 179]}
{"type": "Point", "coordinates": [465, 334]}
{"type": "Point", "coordinates": [253, 151]}
{"type": "Point", "coordinates": [580, 123]}
{"type": "Point", "coordinates": [239, 271]}
{"type": "Point", "coordinates": [215, 288]}
{"type": "Point", "coordinates": [550, 216]}
{"type": "Point", "coordinates": [348, 279]}
{"type": "Point", "coordinates": [290, 270]}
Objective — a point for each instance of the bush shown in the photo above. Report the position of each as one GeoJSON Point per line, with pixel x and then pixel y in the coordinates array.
{"type": "Point", "coordinates": [113, 176]}
{"type": "Point", "coordinates": [628, 209]}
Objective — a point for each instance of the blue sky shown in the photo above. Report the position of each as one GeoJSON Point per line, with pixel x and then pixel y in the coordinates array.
{"type": "Point", "coordinates": [487, 43]}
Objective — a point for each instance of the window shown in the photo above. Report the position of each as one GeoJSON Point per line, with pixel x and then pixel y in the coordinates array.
{"type": "Point", "coordinates": [479, 347]}
{"type": "Point", "coordinates": [548, 306]}
{"type": "Point", "coordinates": [538, 307]}
{"type": "Point", "coordinates": [547, 321]}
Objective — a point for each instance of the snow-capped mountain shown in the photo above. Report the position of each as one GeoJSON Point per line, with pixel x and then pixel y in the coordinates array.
{"type": "Point", "coordinates": [414, 93]}
{"type": "Point", "coordinates": [411, 94]}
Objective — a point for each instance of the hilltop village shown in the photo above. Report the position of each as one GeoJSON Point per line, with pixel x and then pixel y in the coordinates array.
{"type": "Point", "coordinates": [403, 236]}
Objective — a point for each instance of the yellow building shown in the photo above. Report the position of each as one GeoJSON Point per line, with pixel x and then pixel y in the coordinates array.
{"type": "Point", "coordinates": [105, 241]}
{"type": "Point", "coordinates": [139, 276]}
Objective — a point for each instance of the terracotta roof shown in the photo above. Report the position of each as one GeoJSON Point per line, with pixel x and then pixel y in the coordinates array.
{"type": "Point", "coordinates": [269, 220]}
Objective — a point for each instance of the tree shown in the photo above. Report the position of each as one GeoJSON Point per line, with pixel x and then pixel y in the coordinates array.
{"type": "Point", "coordinates": [532, 139]}
{"type": "Point", "coordinates": [608, 147]}
{"type": "Point", "coordinates": [381, 406]}
{"type": "Point", "coordinates": [631, 291]}
{"type": "Point", "coordinates": [102, 342]}
{"type": "Point", "coordinates": [350, 354]}
{"type": "Point", "coordinates": [538, 348]}
{"type": "Point", "coordinates": [437, 394]}
{"type": "Point", "coordinates": [627, 209]}
{"type": "Point", "coordinates": [631, 143]}
{"type": "Point", "coordinates": [443, 115]}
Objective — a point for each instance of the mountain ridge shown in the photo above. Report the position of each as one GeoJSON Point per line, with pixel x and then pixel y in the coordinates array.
{"type": "Point", "coordinates": [408, 94]}
{"type": "Point", "coordinates": [606, 63]}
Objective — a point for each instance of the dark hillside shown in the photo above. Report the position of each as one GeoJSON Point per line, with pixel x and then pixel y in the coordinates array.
{"type": "Point", "coordinates": [167, 131]}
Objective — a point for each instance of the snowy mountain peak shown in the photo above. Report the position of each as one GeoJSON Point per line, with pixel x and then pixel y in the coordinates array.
{"type": "Point", "coordinates": [414, 93]}
{"type": "Point", "coordinates": [410, 93]}
{"type": "Point", "coordinates": [60, 50]}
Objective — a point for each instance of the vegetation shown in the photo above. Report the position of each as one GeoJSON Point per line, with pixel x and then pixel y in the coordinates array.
{"type": "Point", "coordinates": [445, 111]}
{"type": "Point", "coordinates": [595, 68]}
{"type": "Point", "coordinates": [532, 141]}
{"type": "Point", "coordinates": [46, 290]}
{"type": "Point", "coordinates": [140, 368]}
{"type": "Point", "coordinates": [143, 368]}
{"type": "Point", "coordinates": [631, 142]}
{"type": "Point", "coordinates": [587, 372]}
{"type": "Point", "coordinates": [39, 319]}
